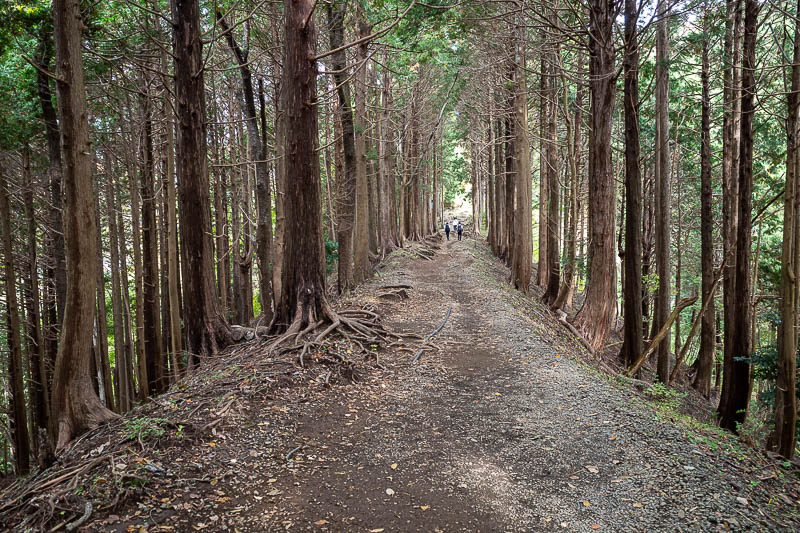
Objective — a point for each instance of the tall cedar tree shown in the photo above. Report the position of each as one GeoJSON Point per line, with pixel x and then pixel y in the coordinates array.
{"type": "Point", "coordinates": [594, 318]}
{"type": "Point", "coordinates": [632, 260]}
{"type": "Point", "coordinates": [75, 405]}
{"type": "Point", "coordinates": [662, 189]}
{"type": "Point", "coordinates": [345, 183]}
{"type": "Point", "coordinates": [303, 299]}
{"type": "Point", "coordinates": [786, 398]}
{"type": "Point", "coordinates": [733, 408]}
{"type": "Point", "coordinates": [705, 357]}
{"type": "Point", "coordinates": [206, 329]}
{"type": "Point", "coordinates": [521, 262]}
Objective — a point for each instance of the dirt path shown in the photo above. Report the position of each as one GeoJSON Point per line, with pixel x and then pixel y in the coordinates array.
{"type": "Point", "coordinates": [498, 431]}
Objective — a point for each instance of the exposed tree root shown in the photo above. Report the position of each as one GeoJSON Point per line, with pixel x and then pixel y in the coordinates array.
{"type": "Point", "coordinates": [360, 330]}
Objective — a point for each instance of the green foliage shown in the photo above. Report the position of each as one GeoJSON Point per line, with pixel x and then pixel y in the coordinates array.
{"type": "Point", "coordinates": [331, 255]}
{"type": "Point", "coordinates": [143, 427]}
{"type": "Point", "coordinates": [668, 397]}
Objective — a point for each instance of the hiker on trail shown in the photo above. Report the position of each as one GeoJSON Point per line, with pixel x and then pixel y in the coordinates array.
{"type": "Point", "coordinates": [460, 231]}
{"type": "Point", "coordinates": [447, 230]}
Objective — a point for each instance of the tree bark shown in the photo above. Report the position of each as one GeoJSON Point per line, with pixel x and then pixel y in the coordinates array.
{"type": "Point", "coordinates": [553, 186]}
{"type": "Point", "coordinates": [39, 391]}
{"type": "Point", "coordinates": [730, 183]}
{"type": "Point", "coordinates": [705, 357]}
{"type": "Point", "coordinates": [362, 269]}
{"type": "Point", "coordinates": [206, 329]}
{"type": "Point", "coordinates": [595, 317]}
{"type": "Point", "coordinates": [733, 411]}
{"type": "Point", "coordinates": [57, 273]}
{"type": "Point", "coordinates": [345, 182]}
{"type": "Point", "coordinates": [662, 188]}
{"type": "Point", "coordinates": [303, 297]}
{"type": "Point", "coordinates": [151, 309]}
{"type": "Point", "coordinates": [574, 148]}
{"type": "Point", "coordinates": [785, 387]}
{"type": "Point", "coordinates": [522, 256]}
{"type": "Point", "coordinates": [632, 262]}
{"type": "Point", "coordinates": [75, 405]}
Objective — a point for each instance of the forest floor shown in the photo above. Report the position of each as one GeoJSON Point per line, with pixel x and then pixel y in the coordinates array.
{"type": "Point", "coordinates": [503, 428]}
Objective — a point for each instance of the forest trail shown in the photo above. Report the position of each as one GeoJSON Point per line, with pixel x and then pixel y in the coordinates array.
{"type": "Point", "coordinates": [498, 431]}
{"type": "Point", "coordinates": [501, 429]}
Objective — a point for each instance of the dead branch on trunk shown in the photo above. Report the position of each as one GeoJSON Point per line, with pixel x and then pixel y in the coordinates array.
{"type": "Point", "coordinates": [683, 304]}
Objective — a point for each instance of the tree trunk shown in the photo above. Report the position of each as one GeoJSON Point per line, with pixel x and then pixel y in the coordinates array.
{"type": "Point", "coordinates": [206, 329]}
{"type": "Point", "coordinates": [151, 312]}
{"type": "Point", "coordinates": [734, 409]}
{"type": "Point", "coordinates": [542, 268]}
{"type": "Point", "coordinates": [258, 150]}
{"type": "Point", "coordinates": [57, 273]}
{"type": "Point", "coordinates": [346, 182]}
{"type": "Point", "coordinates": [500, 190]}
{"type": "Point", "coordinates": [595, 317]}
{"type": "Point", "coordinates": [730, 183]}
{"type": "Point", "coordinates": [511, 181]}
{"type": "Point", "coordinates": [662, 188]}
{"type": "Point", "coordinates": [280, 185]}
{"type": "Point", "coordinates": [574, 151]}
{"type": "Point", "coordinates": [124, 395]}
{"type": "Point", "coordinates": [705, 357]}
{"type": "Point", "coordinates": [101, 320]}
{"type": "Point", "coordinates": [75, 405]}
{"type": "Point", "coordinates": [553, 186]}
{"type": "Point", "coordinates": [303, 297]}
{"type": "Point", "coordinates": [785, 387]}
{"type": "Point", "coordinates": [632, 262]}
{"type": "Point", "coordinates": [361, 265]}
{"type": "Point", "coordinates": [19, 426]}
{"type": "Point", "coordinates": [522, 256]}
{"type": "Point", "coordinates": [39, 392]}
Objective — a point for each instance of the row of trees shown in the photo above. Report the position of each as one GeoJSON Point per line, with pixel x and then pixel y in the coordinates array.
{"type": "Point", "coordinates": [188, 178]}
{"type": "Point", "coordinates": [660, 176]}
{"type": "Point", "coordinates": [203, 164]}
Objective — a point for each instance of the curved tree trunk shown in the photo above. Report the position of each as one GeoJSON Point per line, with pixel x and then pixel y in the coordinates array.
{"type": "Point", "coordinates": [74, 403]}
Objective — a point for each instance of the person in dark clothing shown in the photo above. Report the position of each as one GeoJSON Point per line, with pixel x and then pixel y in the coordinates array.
{"type": "Point", "coordinates": [447, 230]}
{"type": "Point", "coordinates": [460, 230]}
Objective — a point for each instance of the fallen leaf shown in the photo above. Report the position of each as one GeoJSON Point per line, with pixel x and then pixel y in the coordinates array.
{"type": "Point", "coordinates": [393, 466]}
{"type": "Point", "coordinates": [586, 503]}
{"type": "Point", "coordinates": [425, 507]}
{"type": "Point", "coordinates": [379, 530]}
{"type": "Point", "coordinates": [595, 526]}
{"type": "Point", "coordinates": [592, 469]}
{"type": "Point", "coordinates": [320, 522]}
